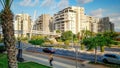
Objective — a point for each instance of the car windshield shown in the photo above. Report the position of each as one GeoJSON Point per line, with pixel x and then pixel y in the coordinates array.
{"type": "Point", "coordinates": [112, 55]}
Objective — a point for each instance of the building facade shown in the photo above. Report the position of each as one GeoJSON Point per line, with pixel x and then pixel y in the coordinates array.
{"type": "Point", "coordinates": [74, 19]}
{"type": "Point", "coordinates": [69, 19]}
{"type": "Point", "coordinates": [105, 25]}
{"type": "Point", "coordinates": [22, 25]}
{"type": "Point", "coordinates": [44, 23]}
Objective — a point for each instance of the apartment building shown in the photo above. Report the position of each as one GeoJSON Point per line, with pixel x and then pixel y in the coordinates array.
{"type": "Point", "coordinates": [44, 24]}
{"type": "Point", "coordinates": [22, 25]}
{"type": "Point", "coordinates": [105, 25]}
{"type": "Point", "coordinates": [91, 24]}
{"type": "Point", "coordinates": [74, 19]}
{"type": "Point", "coordinates": [69, 19]}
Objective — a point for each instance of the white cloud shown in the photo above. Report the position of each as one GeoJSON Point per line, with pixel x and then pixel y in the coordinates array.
{"type": "Point", "coordinates": [97, 13]}
{"type": "Point", "coordinates": [83, 1]}
{"type": "Point", "coordinates": [53, 5]}
{"type": "Point", "coordinates": [47, 3]}
{"type": "Point", "coordinates": [63, 4]}
{"type": "Point", "coordinates": [29, 2]}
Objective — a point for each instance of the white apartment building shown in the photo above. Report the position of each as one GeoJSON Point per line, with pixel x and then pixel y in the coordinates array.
{"type": "Point", "coordinates": [69, 19]}
{"type": "Point", "coordinates": [74, 19]}
{"type": "Point", "coordinates": [22, 25]}
{"type": "Point", "coordinates": [91, 24]}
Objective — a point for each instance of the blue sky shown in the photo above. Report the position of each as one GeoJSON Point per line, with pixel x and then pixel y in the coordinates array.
{"type": "Point", "coordinates": [96, 8]}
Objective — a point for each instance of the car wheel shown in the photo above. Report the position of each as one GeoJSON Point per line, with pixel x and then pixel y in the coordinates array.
{"type": "Point", "coordinates": [105, 61]}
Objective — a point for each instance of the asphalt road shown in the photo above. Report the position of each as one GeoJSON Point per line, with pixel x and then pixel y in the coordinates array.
{"type": "Point", "coordinates": [58, 61]}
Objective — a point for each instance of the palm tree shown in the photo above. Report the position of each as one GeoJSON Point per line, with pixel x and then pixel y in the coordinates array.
{"type": "Point", "coordinates": [6, 17]}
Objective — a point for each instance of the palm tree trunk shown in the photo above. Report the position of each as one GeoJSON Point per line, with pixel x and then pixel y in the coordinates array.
{"type": "Point", "coordinates": [9, 39]}
{"type": "Point", "coordinates": [95, 54]}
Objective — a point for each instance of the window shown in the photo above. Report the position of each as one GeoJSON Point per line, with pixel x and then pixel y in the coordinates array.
{"type": "Point", "coordinates": [111, 56]}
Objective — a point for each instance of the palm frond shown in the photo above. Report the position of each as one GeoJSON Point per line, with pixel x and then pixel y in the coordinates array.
{"type": "Point", "coordinates": [6, 3]}
{"type": "Point", "coordinates": [11, 3]}
{"type": "Point", "coordinates": [2, 3]}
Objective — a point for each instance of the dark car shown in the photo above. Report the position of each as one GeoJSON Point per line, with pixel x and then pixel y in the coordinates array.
{"type": "Point", "coordinates": [48, 50]}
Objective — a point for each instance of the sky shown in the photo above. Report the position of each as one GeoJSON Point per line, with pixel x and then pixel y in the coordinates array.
{"type": "Point", "coordinates": [96, 8]}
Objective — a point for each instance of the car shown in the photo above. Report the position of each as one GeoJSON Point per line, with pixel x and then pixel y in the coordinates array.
{"type": "Point", "coordinates": [48, 50]}
{"type": "Point", "coordinates": [111, 58]}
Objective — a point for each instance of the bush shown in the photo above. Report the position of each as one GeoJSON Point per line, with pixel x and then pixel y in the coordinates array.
{"type": "Point", "coordinates": [37, 41]}
{"type": "Point", "coordinates": [2, 49]}
{"type": "Point", "coordinates": [51, 41]}
{"type": "Point", "coordinates": [116, 43]}
{"type": "Point", "coordinates": [67, 42]}
{"type": "Point", "coordinates": [1, 40]}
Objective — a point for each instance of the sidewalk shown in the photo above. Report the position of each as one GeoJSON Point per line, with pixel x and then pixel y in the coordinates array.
{"type": "Point", "coordinates": [46, 62]}
{"type": "Point", "coordinates": [58, 62]}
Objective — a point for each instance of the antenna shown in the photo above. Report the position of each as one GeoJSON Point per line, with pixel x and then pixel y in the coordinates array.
{"type": "Point", "coordinates": [32, 24]}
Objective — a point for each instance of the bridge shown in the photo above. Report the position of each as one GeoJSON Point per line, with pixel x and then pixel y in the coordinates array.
{"type": "Point", "coordinates": [36, 32]}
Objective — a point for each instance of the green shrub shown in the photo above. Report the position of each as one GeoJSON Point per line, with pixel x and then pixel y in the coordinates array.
{"type": "Point", "coordinates": [2, 49]}
{"type": "Point", "coordinates": [1, 40]}
{"type": "Point", "coordinates": [37, 40]}
{"type": "Point", "coordinates": [115, 43]}
{"type": "Point", "coordinates": [51, 41]}
{"type": "Point", "coordinates": [67, 42]}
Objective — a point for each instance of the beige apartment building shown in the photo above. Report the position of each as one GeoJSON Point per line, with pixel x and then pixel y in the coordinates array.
{"type": "Point", "coordinates": [44, 24]}
{"type": "Point", "coordinates": [74, 19]}
{"type": "Point", "coordinates": [90, 24]}
{"type": "Point", "coordinates": [22, 25]}
{"type": "Point", "coordinates": [69, 19]}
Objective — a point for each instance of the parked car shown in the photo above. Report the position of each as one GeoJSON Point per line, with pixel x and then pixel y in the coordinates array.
{"type": "Point", "coordinates": [112, 58]}
{"type": "Point", "coordinates": [48, 50]}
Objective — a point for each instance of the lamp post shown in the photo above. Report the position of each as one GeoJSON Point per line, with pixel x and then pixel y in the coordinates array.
{"type": "Point", "coordinates": [19, 55]}
{"type": "Point", "coordinates": [72, 30]}
{"type": "Point", "coordinates": [75, 47]}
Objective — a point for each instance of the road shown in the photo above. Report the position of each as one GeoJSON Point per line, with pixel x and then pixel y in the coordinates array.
{"type": "Point", "coordinates": [58, 61]}
{"type": "Point", "coordinates": [68, 53]}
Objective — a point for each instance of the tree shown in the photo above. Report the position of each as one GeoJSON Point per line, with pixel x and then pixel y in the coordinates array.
{"type": "Point", "coordinates": [68, 35]}
{"type": "Point", "coordinates": [94, 42]}
{"type": "Point", "coordinates": [6, 17]}
{"type": "Point", "coordinates": [110, 34]}
{"type": "Point", "coordinates": [85, 34]}
{"type": "Point", "coordinates": [109, 37]}
{"type": "Point", "coordinates": [58, 31]}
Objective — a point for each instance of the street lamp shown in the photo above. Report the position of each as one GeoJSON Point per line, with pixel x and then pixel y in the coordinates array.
{"type": "Point", "coordinates": [19, 55]}
{"type": "Point", "coordinates": [76, 49]}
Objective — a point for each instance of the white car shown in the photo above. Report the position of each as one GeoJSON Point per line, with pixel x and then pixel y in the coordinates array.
{"type": "Point", "coordinates": [112, 58]}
